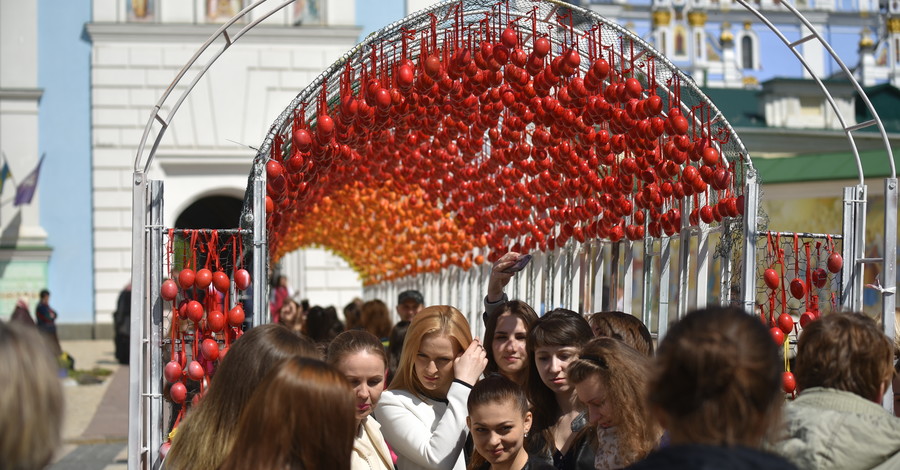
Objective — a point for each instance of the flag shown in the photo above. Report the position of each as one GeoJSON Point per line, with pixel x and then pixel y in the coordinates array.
{"type": "Point", "coordinates": [26, 189]}
{"type": "Point", "coordinates": [4, 175]}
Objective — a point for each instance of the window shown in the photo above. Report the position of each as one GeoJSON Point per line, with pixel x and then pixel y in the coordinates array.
{"type": "Point", "coordinates": [747, 61]}
{"type": "Point", "coordinates": [220, 11]}
{"type": "Point", "coordinates": [680, 46]}
{"type": "Point", "coordinates": [308, 12]}
{"type": "Point", "coordinates": [141, 10]}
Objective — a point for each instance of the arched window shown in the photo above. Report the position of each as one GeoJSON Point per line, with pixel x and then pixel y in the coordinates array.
{"type": "Point", "coordinates": [680, 41]}
{"type": "Point", "coordinates": [747, 48]}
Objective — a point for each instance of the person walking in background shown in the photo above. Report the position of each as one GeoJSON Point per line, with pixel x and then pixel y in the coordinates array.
{"type": "Point", "coordinates": [409, 304]}
{"type": "Point", "coordinates": [122, 325]}
{"type": "Point", "coordinates": [46, 321]}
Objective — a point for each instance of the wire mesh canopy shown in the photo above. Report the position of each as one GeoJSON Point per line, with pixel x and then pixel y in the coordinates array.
{"type": "Point", "coordinates": [476, 127]}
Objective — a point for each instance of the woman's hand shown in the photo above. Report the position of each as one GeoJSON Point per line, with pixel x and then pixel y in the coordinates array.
{"type": "Point", "coordinates": [469, 365]}
{"type": "Point", "coordinates": [499, 277]}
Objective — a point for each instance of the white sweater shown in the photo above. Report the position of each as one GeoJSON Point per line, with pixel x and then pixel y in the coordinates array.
{"type": "Point", "coordinates": [425, 434]}
{"type": "Point", "coordinates": [369, 450]}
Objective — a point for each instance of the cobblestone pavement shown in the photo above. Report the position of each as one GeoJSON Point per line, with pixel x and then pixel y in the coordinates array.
{"type": "Point", "coordinates": [95, 427]}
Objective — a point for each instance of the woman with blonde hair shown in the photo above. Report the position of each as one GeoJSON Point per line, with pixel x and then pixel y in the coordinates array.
{"type": "Point", "coordinates": [610, 378]}
{"type": "Point", "coordinates": [361, 358]}
{"type": "Point", "coordinates": [423, 414]}
{"type": "Point", "coordinates": [31, 399]}
{"type": "Point", "coordinates": [299, 417]}
{"type": "Point", "coordinates": [207, 433]}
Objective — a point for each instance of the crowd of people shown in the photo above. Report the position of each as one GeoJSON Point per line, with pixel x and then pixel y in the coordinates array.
{"type": "Point", "coordinates": [558, 391]}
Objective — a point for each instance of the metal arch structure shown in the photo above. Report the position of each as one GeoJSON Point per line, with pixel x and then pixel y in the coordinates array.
{"type": "Point", "coordinates": [453, 281]}
{"type": "Point", "coordinates": [571, 275]}
{"type": "Point", "coordinates": [146, 433]}
{"type": "Point", "coordinates": [855, 197]}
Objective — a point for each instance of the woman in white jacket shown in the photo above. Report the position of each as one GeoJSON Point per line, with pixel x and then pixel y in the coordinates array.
{"type": "Point", "coordinates": [423, 414]}
{"type": "Point", "coordinates": [360, 357]}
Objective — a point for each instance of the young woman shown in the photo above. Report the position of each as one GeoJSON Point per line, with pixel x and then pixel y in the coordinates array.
{"type": "Point", "coordinates": [208, 431]}
{"type": "Point", "coordinates": [560, 435]}
{"type": "Point", "coordinates": [506, 333]}
{"type": "Point", "coordinates": [375, 318]}
{"type": "Point", "coordinates": [423, 413]}
{"type": "Point", "coordinates": [361, 358]}
{"type": "Point", "coordinates": [300, 416]}
{"type": "Point", "coordinates": [623, 327]}
{"type": "Point", "coordinates": [717, 391]}
{"type": "Point", "coordinates": [610, 378]}
{"type": "Point", "coordinates": [498, 421]}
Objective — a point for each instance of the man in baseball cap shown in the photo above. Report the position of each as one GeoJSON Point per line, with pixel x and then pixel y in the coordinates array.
{"type": "Point", "coordinates": [409, 303]}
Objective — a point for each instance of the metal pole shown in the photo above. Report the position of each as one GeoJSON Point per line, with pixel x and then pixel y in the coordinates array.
{"type": "Point", "coordinates": [748, 270]}
{"type": "Point", "coordinates": [154, 388]}
{"type": "Point", "coordinates": [854, 238]}
{"type": "Point", "coordinates": [137, 448]}
{"type": "Point", "coordinates": [889, 272]}
{"type": "Point", "coordinates": [260, 252]}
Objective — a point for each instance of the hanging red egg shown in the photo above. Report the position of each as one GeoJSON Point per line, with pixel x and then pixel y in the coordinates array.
{"type": "Point", "coordinates": [220, 281]}
{"type": "Point", "coordinates": [542, 47]}
{"type": "Point", "coordinates": [273, 170]}
{"type": "Point", "coordinates": [178, 392]}
{"type": "Point", "coordinates": [210, 349]}
{"type": "Point", "coordinates": [302, 140]}
{"type": "Point", "coordinates": [215, 321]}
{"type": "Point", "coordinates": [195, 371]}
{"type": "Point", "coordinates": [798, 288]}
{"type": "Point", "coordinates": [819, 277]}
{"type": "Point", "coordinates": [806, 318]}
{"type": "Point", "coordinates": [194, 311]}
{"type": "Point", "coordinates": [509, 38]}
{"type": "Point", "coordinates": [203, 278]}
{"type": "Point", "coordinates": [788, 382]}
{"type": "Point", "coordinates": [236, 315]}
{"type": "Point", "coordinates": [777, 335]}
{"type": "Point", "coordinates": [242, 279]}
{"type": "Point", "coordinates": [186, 278]}
{"type": "Point", "coordinates": [172, 371]}
{"type": "Point", "coordinates": [835, 263]}
{"type": "Point", "coordinates": [786, 323]}
{"type": "Point", "coordinates": [770, 276]}
{"type": "Point", "coordinates": [168, 290]}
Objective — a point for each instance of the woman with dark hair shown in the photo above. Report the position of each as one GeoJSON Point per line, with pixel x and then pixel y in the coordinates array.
{"type": "Point", "coordinates": [423, 413]}
{"type": "Point", "coordinates": [322, 324]}
{"type": "Point", "coordinates": [499, 421]}
{"type": "Point", "coordinates": [505, 337]}
{"type": "Point", "coordinates": [717, 391]}
{"type": "Point", "coordinates": [361, 358]}
{"type": "Point", "coordinates": [560, 433]}
{"type": "Point", "coordinates": [207, 433]}
{"type": "Point", "coordinates": [279, 428]}
{"type": "Point", "coordinates": [610, 378]}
